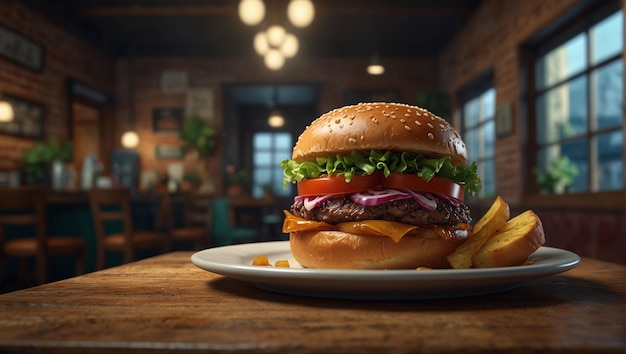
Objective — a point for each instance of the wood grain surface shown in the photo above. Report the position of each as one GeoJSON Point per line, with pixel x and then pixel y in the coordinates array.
{"type": "Point", "coordinates": [166, 304]}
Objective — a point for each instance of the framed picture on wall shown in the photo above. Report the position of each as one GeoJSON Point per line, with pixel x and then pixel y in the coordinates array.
{"type": "Point", "coordinates": [20, 50]}
{"type": "Point", "coordinates": [167, 120]}
{"type": "Point", "coordinates": [28, 118]}
{"type": "Point", "coordinates": [169, 152]}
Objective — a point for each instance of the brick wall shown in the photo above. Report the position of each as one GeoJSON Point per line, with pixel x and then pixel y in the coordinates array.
{"type": "Point", "coordinates": [65, 56]}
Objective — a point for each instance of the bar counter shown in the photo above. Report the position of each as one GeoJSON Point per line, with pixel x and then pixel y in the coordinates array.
{"type": "Point", "coordinates": [166, 304]}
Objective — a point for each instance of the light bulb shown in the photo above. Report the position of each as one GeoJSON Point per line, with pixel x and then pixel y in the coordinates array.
{"type": "Point", "coordinates": [260, 43]}
{"type": "Point", "coordinates": [276, 120]}
{"type": "Point", "coordinates": [290, 46]}
{"type": "Point", "coordinates": [274, 60]}
{"type": "Point", "coordinates": [6, 111]}
{"type": "Point", "coordinates": [276, 35]}
{"type": "Point", "coordinates": [251, 12]}
{"type": "Point", "coordinates": [300, 12]}
{"type": "Point", "coordinates": [375, 69]}
{"type": "Point", "coordinates": [130, 139]}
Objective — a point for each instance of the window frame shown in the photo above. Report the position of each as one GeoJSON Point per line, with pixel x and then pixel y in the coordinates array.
{"type": "Point", "coordinates": [474, 90]}
{"type": "Point", "coordinates": [584, 20]}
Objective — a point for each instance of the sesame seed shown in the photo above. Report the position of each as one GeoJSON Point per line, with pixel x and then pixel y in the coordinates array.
{"type": "Point", "coordinates": [337, 121]}
{"type": "Point", "coordinates": [431, 136]}
{"type": "Point", "coordinates": [402, 120]}
{"type": "Point", "coordinates": [407, 115]}
{"type": "Point", "coordinates": [408, 128]}
{"type": "Point", "coordinates": [352, 140]}
{"type": "Point", "coordinates": [418, 122]}
{"type": "Point", "coordinates": [430, 125]}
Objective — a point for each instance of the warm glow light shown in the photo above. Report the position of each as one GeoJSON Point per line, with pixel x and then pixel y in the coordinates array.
{"type": "Point", "coordinates": [375, 69]}
{"type": "Point", "coordinates": [276, 120]}
{"type": "Point", "coordinates": [260, 43]}
{"type": "Point", "coordinates": [6, 111]}
{"type": "Point", "coordinates": [274, 60]}
{"type": "Point", "coordinates": [251, 12]}
{"type": "Point", "coordinates": [290, 46]}
{"type": "Point", "coordinates": [300, 12]}
{"type": "Point", "coordinates": [130, 139]}
{"type": "Point", "coordinates": [276, 35]}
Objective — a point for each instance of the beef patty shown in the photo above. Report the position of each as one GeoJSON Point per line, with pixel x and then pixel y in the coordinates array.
{"type": "Point", "coordinates": [407, 211]}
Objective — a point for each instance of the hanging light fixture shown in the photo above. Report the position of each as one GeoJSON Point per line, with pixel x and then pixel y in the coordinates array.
{"type": "Point", "coordinates": [300, 12]}
{"type": "Point", "coordinates": [275, 119]}
{"type": "Point", "coordinates": [290, 46]}
{"type": "Point", "coordinates": [260, 43]}
{"type": "Point", "coordinates": [274, 59]}
{"type": "Point", "coordinates": [375, 67]}
{"type": "Point", "coordinates": [130, 138]}
{"type": "Point", "coordinates": [251, 12]}
{"type": "Point", "coordinates": [6, 111]}
{"type": "Point", "coordinates": [276, 35]}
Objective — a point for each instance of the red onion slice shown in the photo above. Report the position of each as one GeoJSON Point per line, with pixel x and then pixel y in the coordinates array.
{"type": "Point", "coordinates": [377, 197]}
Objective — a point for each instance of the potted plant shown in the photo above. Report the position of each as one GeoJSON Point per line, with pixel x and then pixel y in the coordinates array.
{"type": "Point", "coordinates": [39, 159]}
{"type": "Point", "coordinates": [558, 176]}
{"type": "Point", "coordinates": [199, 137]}
{"type": "Point", "coordinates": [238, 182]}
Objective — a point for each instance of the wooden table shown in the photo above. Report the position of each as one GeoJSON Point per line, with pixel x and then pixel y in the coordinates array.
{"type": "Point", "coordinates": [166, 304]}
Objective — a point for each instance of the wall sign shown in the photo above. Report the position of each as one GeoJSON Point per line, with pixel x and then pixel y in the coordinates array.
{"type": "Point", "coordinates": [167, 120]}
{"type": "Point", "coordinates": [201, 102]}
{"type": "Point", "coordinates": [504, 120]}
{"type": "Point", "coordinates": [20, 49]}
{"type": "Point", "coordinates": [28, 118]}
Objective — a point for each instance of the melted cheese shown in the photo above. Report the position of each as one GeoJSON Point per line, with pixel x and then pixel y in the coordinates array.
{"type": "Point", "coordinates": [394, 230]}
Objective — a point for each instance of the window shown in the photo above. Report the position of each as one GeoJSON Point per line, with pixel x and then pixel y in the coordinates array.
{"type": "Point", "coordinates": [269, 149]}
{"type": "Point", "coordinates": [578, 100]}
{"type": "Point", "coordinates": [479, 135]}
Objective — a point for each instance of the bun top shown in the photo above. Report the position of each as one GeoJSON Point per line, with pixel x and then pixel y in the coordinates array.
{"type": "Point", "coordinates": [380, 126]}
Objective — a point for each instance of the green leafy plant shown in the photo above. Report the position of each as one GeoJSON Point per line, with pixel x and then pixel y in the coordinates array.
{"type": "Point", "coordinates": [39, 158]}
{"type": "Point", "coordinates": [558, 176]}
{"type": "Point", "coordinates": [240, 178]}
{"type": "Point", "coordinates": [198, 135]}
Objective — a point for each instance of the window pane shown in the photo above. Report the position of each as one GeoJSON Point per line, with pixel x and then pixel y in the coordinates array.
{"type": "Point", "coordinates": [608, 92]}
{"type": "Point", "coordinates": [262, 140]}
{"type": "Point", "coordinates": [471, 139]}
{"type": "Point", "coordinates": [561, 62]}
{"type": "Point", "coordinates": [610, 163]}
{"type": "Point", "coordinates": [562, 112]}
{"type": "Point", "coordinates": [576, 151]}
{"type": "Point", "coordinates": [489, 104]}
{"type": "Point", "coordinates": [283, 141]}
{"type": "Point", "coordinates": [607, 38]}
{"type": "Point", "coordinates": [488, 177]}
{"type": "Point", "coordinates": [470, 115]}
{"type": "Point", "coordinates": [489, 135]}
{"type": "Point", "coordinates": [262, 158]}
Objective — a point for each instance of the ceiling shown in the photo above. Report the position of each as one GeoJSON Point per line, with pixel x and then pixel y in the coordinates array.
{"type": "Point", "coordinates": [418, 28]}
{"type": "Point", "coordinates": [211, 28]}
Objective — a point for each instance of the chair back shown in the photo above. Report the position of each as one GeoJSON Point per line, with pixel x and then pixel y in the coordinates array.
{"type": "Point", "coordinates": [109, 205]}
{"type": "Point", "coordinates": [198, 211]}
{"type": "Point", "coordinates": [224, 233]}
{"type": "Point", "coordinates": [24, 206]}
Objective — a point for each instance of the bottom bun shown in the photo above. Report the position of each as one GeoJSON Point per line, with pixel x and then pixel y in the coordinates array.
{"type": "Point", "coordinates": [340, 250]}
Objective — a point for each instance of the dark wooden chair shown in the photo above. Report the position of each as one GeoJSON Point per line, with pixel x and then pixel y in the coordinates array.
{"type": "Point", "coordinates": [26, 206]}
{"type": "Point", "coordinates": [114, 205]}
{"type": "Point", "coordinates": [197, 221]}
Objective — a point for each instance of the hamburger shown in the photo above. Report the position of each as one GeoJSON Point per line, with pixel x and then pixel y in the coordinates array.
{"type": "Point", "coordinates": [379, 186]}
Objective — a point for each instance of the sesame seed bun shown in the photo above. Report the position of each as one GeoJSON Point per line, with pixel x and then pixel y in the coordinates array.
{"type": "Point", "coordinates": [380, 126]}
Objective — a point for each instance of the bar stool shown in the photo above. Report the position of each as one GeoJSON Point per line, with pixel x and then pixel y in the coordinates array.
{"type": "Point", "coordinates": [197, 223]}
{"type": "Point", "coordinates": [113, 205]}
{"type": "Point", "coordinates": [26, 206]}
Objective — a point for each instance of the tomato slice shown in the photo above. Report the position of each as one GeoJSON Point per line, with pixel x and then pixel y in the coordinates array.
{"type": "Point", "coordinates": [338, 185]}
{"type": "Point", "coordinates": [415, 183]}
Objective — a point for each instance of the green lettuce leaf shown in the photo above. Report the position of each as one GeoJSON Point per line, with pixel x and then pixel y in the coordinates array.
{"type": "Point", "coordinates": [366, 163]}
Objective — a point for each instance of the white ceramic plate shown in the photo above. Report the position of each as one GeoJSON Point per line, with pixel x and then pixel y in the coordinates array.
{"type": "Point", "coordinates": [236, 262]}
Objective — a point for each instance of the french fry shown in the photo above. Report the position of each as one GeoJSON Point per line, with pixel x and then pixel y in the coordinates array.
{"type": "Point", "coordinates": [494, 220]}
{"type": "Point", "coordinates": [512, 245]}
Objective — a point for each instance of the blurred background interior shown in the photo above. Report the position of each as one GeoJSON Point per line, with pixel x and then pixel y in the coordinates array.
{"type": "Point", "coordinates": [178, 99]}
